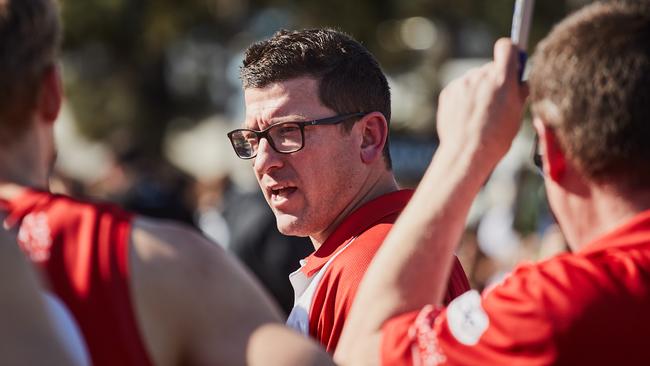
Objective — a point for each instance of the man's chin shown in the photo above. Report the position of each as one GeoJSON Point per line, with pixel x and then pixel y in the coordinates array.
{"type": "Point", "coordinates": [290, 225]}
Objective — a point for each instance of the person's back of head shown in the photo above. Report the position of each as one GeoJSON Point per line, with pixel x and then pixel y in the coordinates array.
{"type": "Point", "coordinates": [590, 82]}
{"type": "Point", "coordinates": [350, 78]}
{"type": "Point", "coordinates": [30, 35]}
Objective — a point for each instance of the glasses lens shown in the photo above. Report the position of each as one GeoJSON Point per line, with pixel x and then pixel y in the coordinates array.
{"type": "Point", "coordinates": [244, 142]}
{"type": "Point", "coordinates": [287, 137]}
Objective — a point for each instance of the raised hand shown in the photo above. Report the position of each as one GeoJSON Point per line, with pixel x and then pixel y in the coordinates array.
{"type": "Point", "coordinates": [480, 112]}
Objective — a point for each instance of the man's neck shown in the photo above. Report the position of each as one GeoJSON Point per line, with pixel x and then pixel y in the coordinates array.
{"type": "Point", "coordinates": [385, 184]}
{"type": "Point", "coordinates": [25, 162]}
{"type": "Point", "coordinates": [14, 180]}
{"type": "Point", "coordinates": [607, 209]}
{"type": "Point", "coordinates": [17, 174]}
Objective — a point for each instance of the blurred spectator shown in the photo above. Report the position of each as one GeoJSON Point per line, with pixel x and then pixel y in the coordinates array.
{"type": "Point", "coordinates": [209, 206]}
{"type": "Point", "coordinates": [151, 187]}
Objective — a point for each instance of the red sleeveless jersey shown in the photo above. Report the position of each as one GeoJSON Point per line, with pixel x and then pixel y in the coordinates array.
{"type": "Point", "coordinates": [82, 248]}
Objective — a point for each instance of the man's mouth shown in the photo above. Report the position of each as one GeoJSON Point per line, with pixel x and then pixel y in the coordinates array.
{"type": "Point", "coordinates": [280, 193]}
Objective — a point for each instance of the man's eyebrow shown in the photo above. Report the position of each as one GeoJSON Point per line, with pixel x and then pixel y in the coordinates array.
{"type": "Point", "coordinates": [258, 126]}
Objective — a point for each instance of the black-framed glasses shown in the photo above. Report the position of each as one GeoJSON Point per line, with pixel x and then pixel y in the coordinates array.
{"type": "Point", "coordinates": [284, 137]}
{"type": "Point", "coordinates": [537, 155]}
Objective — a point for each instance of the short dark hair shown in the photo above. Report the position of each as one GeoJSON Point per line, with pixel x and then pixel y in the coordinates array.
{"type": "Point", "coordinates": [30, 35]}
{"type": "Point", "coordinates": [350, 78]}
{"type": "Point", "coordinates": [590, 81]}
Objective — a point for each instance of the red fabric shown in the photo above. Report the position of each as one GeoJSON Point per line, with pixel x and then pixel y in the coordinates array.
{"type": "Point", "coordinates": [587, 308]}
{"type": "Point", "coordinates": [83, 250]}
{"type": "Point", "coordinates": [336, 290]}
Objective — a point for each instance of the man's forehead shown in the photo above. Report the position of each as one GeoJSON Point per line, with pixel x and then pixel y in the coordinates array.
{"type": "Point", "coordinates": [291, 98]}
{"type": "Point", "coordinates": [299, 89]}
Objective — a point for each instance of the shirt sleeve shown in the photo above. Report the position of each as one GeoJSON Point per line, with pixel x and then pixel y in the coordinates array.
{"type": "Point", "coordinates": [504, 327]}
{"type": "Point", "coordinates": [458, 283]}
{"type": "Point", "coordinates": [333, 300]}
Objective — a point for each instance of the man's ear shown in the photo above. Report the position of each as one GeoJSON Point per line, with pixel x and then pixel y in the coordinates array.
{"type": "Point", "coordinates": [50, 94]}
{"type": "Point", "coordinates": [374, 132]}
{"type": "Point", "coordinates": [554, 159]}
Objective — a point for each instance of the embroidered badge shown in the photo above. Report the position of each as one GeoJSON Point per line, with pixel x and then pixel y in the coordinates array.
{"type": "Point", "coordinates": [426, 349]}
{"type": "Point", "coordinates": [466, 318]}
{"type": "Point", "coordinates": [34, 236]}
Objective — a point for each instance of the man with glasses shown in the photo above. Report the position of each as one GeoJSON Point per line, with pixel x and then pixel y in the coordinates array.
{"type": "Point", "coordinates": [316, 131]}
{"type": "Point", "coordinates": [590, 92]}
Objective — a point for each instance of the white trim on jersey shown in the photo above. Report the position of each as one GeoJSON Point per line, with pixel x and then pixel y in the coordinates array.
{"type": "Point", "coordinates": [304, 289]}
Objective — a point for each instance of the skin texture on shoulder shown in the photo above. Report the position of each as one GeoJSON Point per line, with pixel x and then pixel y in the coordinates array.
{"type": "Point", "coordinates": [188, 294]}
{"type": "Point", "coordinates": [26, 327]}
{"type": "Point", "coordinates": [278, 345]}
{"type": "Point", "coordinates": [195, 305]}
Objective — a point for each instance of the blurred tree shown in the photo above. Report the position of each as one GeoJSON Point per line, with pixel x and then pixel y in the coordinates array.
{"type": "Point", "coordinates": [116, 54]}
{"type": "Point", "coordinates": [132, 66]}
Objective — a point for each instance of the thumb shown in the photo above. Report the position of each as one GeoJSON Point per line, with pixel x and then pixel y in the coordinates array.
{"type": "Point", "coordinates": [506, 58]}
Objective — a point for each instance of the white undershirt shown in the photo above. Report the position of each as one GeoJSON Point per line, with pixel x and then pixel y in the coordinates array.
{"type": "Point", "coordinates": [304, 289]}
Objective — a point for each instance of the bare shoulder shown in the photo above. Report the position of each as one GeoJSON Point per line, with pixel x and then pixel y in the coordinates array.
{"type": "Point", "coordinates": [186, 258]}
{"type": "Point", "coordinates": [192, 298]}
{"type": "Point", "coordinates": [168, 246]}
{"type": "Point", "coordinates": [278, 345]}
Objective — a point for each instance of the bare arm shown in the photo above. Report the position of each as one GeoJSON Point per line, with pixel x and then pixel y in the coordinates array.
{"type": "Point", "coordinates": [278, 345]}
{"type": "Point", "coordinates": [478, 117]}
{"type": "Point", "coordinates": [199, 306]}
{"type": "Point", "coordinates": [28, 336]}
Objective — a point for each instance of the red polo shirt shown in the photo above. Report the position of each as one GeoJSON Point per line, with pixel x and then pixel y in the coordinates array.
{"type": "Point", "coordinates": [587, 308]}
{"type": "Point", "coordinates": [368, 226]}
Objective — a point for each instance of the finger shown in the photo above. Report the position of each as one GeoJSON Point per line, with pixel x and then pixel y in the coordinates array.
{"type": "Point", "coordinates": [475, 75]}
{"type": "Point", "coordinates": [506, 58]}
{"type": "Point", "coordinates": [486, 69]}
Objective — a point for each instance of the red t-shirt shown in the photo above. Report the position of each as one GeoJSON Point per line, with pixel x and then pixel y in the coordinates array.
{"type": "Point", "coordinates": [368, 225]}
{"type": "Point", "coordinates": [82, 248]}
{"type": "Point", "coordinates": [587, 308]}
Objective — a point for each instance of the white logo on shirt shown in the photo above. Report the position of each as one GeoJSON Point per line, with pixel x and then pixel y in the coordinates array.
{"type": "Point", "coordinates": [466, 318]}
{"type": "Point", "coordinates": [34, 236]}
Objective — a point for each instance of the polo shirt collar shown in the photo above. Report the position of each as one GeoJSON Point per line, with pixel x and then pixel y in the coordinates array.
{"type": "Point", "coordinates": [633, 232]}
{"type": "Point", "coordinates": [354, 224]}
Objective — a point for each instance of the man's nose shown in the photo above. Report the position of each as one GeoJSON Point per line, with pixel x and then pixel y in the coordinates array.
{"type": "Point", "coordinates": [267, 158]}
